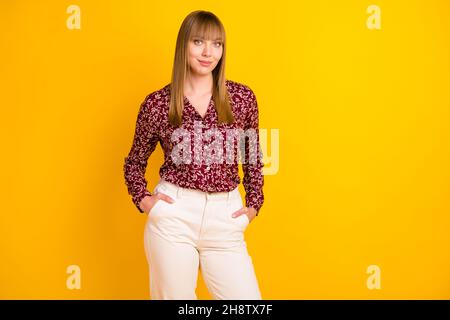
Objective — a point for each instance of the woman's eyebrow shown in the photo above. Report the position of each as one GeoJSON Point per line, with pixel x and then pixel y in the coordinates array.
{"type": "Point", "coordinates": [196, 37]}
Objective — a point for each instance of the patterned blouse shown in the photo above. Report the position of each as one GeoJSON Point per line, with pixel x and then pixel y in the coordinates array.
{"type": "Point", "coordinates": [153, 125]}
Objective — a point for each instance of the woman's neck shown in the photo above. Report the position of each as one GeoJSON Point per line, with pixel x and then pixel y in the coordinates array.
{"type": "Point", "coordinates": [198, 84]}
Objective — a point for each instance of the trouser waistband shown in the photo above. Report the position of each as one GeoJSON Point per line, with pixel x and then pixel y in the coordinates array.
{"type": "Point", "coordinates": [180, 191]}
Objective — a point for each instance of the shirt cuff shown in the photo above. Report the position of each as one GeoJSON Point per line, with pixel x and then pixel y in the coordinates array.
{"type": "Point", "coordinates": [253, 204]}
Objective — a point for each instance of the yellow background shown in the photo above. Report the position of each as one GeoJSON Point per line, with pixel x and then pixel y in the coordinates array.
{"type": "Point", "coordinates": [363, 117]}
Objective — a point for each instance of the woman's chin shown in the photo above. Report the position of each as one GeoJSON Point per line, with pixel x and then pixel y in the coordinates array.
{"type": "Point", "coordinates": [201, 71]}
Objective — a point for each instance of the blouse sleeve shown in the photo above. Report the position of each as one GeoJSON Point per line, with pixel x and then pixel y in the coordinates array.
{"type": "Point", "coordinates": [252, 167]}
{"type": "Point", "coordinates": [144, 143]}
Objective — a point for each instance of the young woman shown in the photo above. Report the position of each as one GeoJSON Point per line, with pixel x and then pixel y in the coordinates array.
{"type": "Point", "coordinates": [196, 217]}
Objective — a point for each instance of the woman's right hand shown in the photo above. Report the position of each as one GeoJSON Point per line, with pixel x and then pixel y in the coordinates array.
{"type": "Point", "coordinates": [148, 202]}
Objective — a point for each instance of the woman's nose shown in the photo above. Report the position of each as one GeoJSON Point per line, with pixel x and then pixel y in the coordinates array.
{"type": "Point", "coordinates": [207, 49]}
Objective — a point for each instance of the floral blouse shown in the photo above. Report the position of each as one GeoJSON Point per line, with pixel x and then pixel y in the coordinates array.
{"type": "Point", "coordinates": [152, 126]}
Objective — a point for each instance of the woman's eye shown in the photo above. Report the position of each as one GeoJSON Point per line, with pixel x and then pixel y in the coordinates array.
{"type": "Point", "coordinates": [198, 42]}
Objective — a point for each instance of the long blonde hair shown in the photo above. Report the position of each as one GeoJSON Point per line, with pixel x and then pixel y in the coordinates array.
{"type": "Point", "coordinates": [207, 25]}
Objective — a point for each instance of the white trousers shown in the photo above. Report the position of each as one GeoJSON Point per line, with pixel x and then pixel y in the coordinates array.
{"type": "Point", "coordinates": [197, 232]}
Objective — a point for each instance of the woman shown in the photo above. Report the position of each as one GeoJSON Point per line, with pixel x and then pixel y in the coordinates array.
{"type": "Point", "coordinates": [196, 217]}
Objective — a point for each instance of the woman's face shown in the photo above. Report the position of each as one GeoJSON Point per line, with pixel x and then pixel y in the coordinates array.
{"type": "Point", "coordinates": [204, 55]}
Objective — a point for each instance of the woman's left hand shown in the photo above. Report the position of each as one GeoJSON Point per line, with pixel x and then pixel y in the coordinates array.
{"type": "Point", "coordinates": [249, 211]}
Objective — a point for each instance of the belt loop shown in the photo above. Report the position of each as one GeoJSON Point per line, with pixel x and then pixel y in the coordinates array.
{"type": "Point", "coordinates": [179, 192]}
{"type": "Point", "coordinates": [228, 196]}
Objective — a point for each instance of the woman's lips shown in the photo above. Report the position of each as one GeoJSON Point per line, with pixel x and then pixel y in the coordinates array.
{"type": "Point", "coordinates": [205, 63]}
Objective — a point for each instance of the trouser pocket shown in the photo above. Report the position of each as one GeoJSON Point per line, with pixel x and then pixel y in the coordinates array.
{"type": "Point", "coordinates": [161, 205]}
{"type": "Point", "coordinates": [234, 205]}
